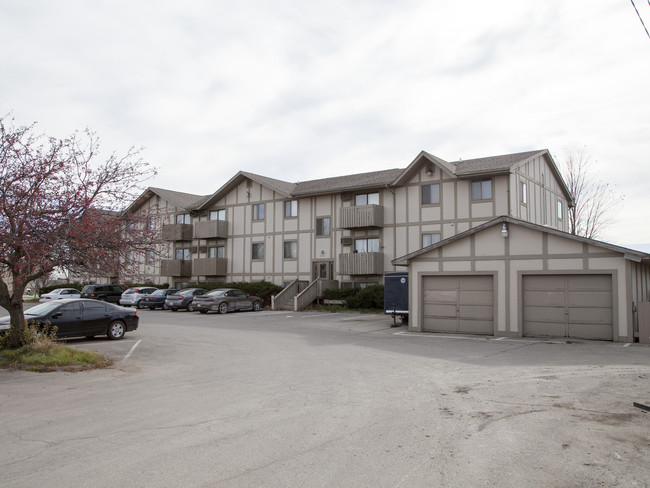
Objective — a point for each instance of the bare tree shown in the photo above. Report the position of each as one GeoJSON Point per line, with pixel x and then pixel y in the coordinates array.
{"type": "Point", "coordinates": [595, 201]}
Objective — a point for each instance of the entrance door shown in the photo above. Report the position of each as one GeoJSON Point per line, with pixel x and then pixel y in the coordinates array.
{"type": "Point", "coordinates": [323, 269]}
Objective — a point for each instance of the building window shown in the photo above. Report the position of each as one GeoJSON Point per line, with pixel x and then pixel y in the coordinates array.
{"type": "Point", "coordinates": [323, 226]}
{"type": "Point", "coordinates": [258, 250]}
{"type": "Point", "coordinates": [290, 250]}
{"type": "Point", "coordinates": [428, 239]}
{"type": "Point", "coordinates": [560, 210]}
{"type": "Point", "coordinates": [217, 252]}
{"type": "Point", "coordinates": [367, 199]}
{"type": "Point", "coordinates": [183, 253]}
{"type": "Point", "coordinates": [431, 194]}
{"type": "Point", "coordinates": [183, 219]}
{"type": "Point", "coordinates": [482, 190]}
{"type": "Point", "coordinates": [364, 284]}
{"type": "Point", "coordinates": [291, 208]}
{"type": "Point", "coordinates": [217, 214]}
{"type": "Point", "coordinates": [151, 223]}
{"type": "Point", "coordinates": [258, 211]}
{"type": "Point", "coordinates": [149, 257]}
{"type": "Point", "coordinates": [524, 193]}
{"type": "Point", "coordinates": [368, 244]}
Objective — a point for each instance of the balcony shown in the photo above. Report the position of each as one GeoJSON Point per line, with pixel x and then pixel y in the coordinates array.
{"type": "Point", "coordinates": [210, 229]}
{"type": "Point", "coordinates": [177, 232]}
{"type": "Point", "coordinates": [210, 266]}
{"type": "Point", "coordinates": [362, 216]}
{"type": "Point", "coordinates": [362, 263]}
{"type": "Point", "coordinates": [175, 267]}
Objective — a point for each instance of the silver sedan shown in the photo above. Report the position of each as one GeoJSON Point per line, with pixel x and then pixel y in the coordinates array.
{"type": "Point", "coordinates": [225, 300]}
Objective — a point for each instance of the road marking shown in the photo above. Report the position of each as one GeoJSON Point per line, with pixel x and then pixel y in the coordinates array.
{"type": "Point", "coordinates": [627, 344]}
{"type": "Point", "coordinates": [132, 349]}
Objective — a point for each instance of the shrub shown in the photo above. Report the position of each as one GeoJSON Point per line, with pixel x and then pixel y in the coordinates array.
{"type": "Point", "coordinates": [339, 293]}
{"type": "Point", "coordinates": [369, 297]}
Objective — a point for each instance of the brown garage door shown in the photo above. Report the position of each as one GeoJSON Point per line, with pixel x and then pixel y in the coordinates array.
{"type": "Point", "coordinates": [461, 304]}
{"type": "Point", "coordinates": [577, 306]}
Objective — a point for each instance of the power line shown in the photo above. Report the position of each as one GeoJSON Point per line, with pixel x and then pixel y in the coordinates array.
{"type": "Point", "coordinates": [639, 15]}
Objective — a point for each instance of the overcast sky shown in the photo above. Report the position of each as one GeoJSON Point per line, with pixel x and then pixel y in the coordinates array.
{"type": "Point", "coordinates": [299, 90]}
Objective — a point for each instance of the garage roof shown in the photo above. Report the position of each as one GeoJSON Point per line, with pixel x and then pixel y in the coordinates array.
{"type": "Point", "coordinates": [630, 254]}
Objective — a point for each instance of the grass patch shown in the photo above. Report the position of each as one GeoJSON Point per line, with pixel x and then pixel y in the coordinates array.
{"type": "Point", "coordinates": [52, 357]}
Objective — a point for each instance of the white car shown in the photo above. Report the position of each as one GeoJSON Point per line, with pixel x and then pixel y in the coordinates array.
{"type": "Point", "coordinates": [60, 293]}
{"type": "Point", "coordinates": [133, 296]}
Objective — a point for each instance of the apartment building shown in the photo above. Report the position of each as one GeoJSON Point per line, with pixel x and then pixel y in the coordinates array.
{"type": "Point", "coordinates": [348, 228]}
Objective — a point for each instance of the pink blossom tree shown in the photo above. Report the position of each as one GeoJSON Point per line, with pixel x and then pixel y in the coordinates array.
{"type": "Point", "coordinates": [61, 208]}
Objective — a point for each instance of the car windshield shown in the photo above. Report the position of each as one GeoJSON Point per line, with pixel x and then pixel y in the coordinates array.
{"type": "Point", "coordinates": [159, 293]}
{"type": "Point", "coordinates": [43, 308]}
{"type": "Point", "coordinates": [185, 292]}
{"type": "Point", "coordinates": [130, 291]}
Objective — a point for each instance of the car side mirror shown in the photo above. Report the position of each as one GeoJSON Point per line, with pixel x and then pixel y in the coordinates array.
{"type": "Point", "coordinates": [57, 315]}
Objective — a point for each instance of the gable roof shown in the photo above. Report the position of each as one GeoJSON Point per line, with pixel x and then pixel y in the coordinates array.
{"type": "Point", "coordinates": [186, 201]}
{"type": "Point", "coordinates": [347, 182]}
{"type": "Point", "coordinates": [630, 254]}
{"type": "Point", "coordinates": [494, 164]}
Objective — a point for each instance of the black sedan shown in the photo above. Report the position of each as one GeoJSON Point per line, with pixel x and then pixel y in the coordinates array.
{"type": "Point", "coordinates": [78, 317]}
{"type": "Point", "coordinates": [225, 300]}
{"type": "Point", "coordinates": [183, 299]}
{"type": "Point", "coordinates": [157, 299]}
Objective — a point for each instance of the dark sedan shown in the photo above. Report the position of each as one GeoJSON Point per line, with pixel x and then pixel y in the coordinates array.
{"type": "Point", "coordinates": [225, 300]}
{"type": "Point", "coordinates": [183, 299]}
{"type": "Point", "coordinates": [157, 299]}
{"type": "Point", "coordinates": [81, 317]}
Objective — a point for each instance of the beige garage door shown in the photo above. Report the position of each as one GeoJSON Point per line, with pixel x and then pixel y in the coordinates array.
{"type": "Point", "coordinates": [461, 304]}
{"type": "Point", "coordinates": [577, 306]}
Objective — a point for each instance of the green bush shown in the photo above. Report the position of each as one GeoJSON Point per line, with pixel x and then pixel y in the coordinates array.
{"type": "Point", "coordinates": [339, 293]}
{"type": "Point", "coordinates": [47, 289]}
{"type": "Point", "coordinates": [369, 297]}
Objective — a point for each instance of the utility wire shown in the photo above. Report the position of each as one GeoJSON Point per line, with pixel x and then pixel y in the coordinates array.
{"type": "Point", "coordinates": [639, 15]}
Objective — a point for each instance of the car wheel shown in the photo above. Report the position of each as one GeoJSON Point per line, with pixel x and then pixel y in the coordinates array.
{"type": "Point", "coordinates": [116, 330]}
{"type": "Point", "coordinates": [203, 311]}
{"type": "Point", "coordinates": [257, 306]}
{"type": "Point", "coordinates": [190, 307]}
{"type": "Point", "coordinates": [139, 305]}
{"type": "Point", "coordinates": [223, 307]}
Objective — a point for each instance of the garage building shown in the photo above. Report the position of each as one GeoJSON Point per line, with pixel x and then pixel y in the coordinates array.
{"type": "Point", "coordinates": [511, 278]}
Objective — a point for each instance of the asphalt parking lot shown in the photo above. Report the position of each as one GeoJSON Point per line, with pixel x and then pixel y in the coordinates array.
{"type": "Point", "coordinates": [277, 399]}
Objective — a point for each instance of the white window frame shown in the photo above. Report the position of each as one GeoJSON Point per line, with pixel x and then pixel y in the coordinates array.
{"type": "Point", "coordinates": [290, 209]}
{"type": "Point", "coordinates": [430, 194]}
{"type": "Point", "coordinates": [217, 214]}
{"type": "Point", "coordinates": [323, 230]}
{"type": "Point", "coordinates": [480, 189]}
{"type": "Point", "coordinates": [258, 211]}
{"type": "Point", "coordinates": [366, 244]}
{"type": "Point", "coordinates": [429, 238]}
{"type": "Point", "coordinates": [183, 218]}
{"type": "Point", "coordinates": [217, 252]}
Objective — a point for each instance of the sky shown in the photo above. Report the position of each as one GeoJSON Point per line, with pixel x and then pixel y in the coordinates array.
{"type": "Point", "coordinates": [300, 90]}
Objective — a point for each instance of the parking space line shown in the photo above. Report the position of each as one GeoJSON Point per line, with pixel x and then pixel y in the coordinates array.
{"type": "Point", "coordinates": [132, 349]}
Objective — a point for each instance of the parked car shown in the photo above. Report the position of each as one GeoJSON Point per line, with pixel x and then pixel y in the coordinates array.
{"type": "Point", "coordinates": [157, 299]}
{"type": "Point", "coordinates": [183, 299]}
{"type": "Point", "coordinates": [78, 317]}
{"type": "Point", "coordinates": [224, 300]}
{"type": "Point", "coordinates": [134, 296]}
{"type": "Point", "coordinates": [59, 293]}
{"type": "Point", "coordinates": [105, 293]}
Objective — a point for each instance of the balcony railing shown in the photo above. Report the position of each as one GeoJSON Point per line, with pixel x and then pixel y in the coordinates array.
{"type": "Point", "coordinates": [175, 267]}
{"type": "Point", "coordinates": [362, 216]}
{"type": "Point", "coordinates": [362, 263]}
{"type": "Point", "coordinates": [210, 266]}
{"type": "Point", "coordinates": [177, 232]}
{"type": "Point", "coordinates": [210, 229]}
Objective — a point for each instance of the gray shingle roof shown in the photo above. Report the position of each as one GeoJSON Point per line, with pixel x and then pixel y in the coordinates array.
{"type": "Point", "coordinates": [348, 182]}
{"type": "Point", "coordinates": [492, 163]}
{"type": "Point", "coordinates": [180, 199]}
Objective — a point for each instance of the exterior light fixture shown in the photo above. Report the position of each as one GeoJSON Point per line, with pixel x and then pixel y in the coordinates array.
{"type": "Point", "coordinates": [504, 230]}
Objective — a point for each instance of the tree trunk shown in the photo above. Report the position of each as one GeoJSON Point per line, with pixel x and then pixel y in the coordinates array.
{"type": "Point", "coordinates": [17, 315]}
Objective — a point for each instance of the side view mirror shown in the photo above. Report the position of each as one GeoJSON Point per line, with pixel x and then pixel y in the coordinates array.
{"type": "Point", "coordinates": [56, 315]}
